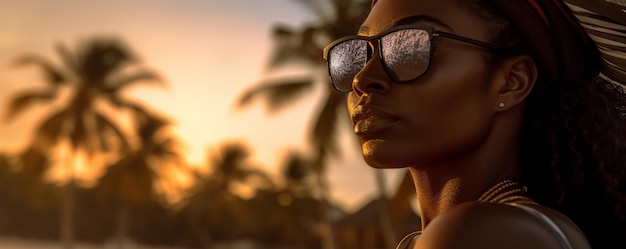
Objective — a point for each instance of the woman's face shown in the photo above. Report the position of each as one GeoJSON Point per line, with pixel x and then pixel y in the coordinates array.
{"type": "Point", "coordinates": [442, 115]}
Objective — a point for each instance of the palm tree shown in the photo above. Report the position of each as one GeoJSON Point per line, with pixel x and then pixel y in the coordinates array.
{"type": "Point", "coordinates": [336, 19]}
{"type": "Point", "coordinates": [296, 172]}
{"type": "Point", "coordinates": [215, 209]}
{"type": "Point", "coordinates": [94, 75]}
{"type": "Point", "coordinates": [296, 198]}
{"type": "Point", "coordinates": [130, 182]}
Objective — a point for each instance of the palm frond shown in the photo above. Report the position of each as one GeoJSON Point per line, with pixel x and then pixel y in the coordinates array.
{"type": "Point", "coordinates": [342, 8]}
{"type": "Point", "coordinates": [79, 133]}
{"type": "Point", "coordinates": [325, 128]}
{"type": "Point", "coordinates": [115, 99]}
{"type": "Point", "coordinates": [337, 18]}
{"type": "Point", "coordinates": [232, 155]}
{"type": "Point", "coordinates": [119, 83]}
{"type": "Point", "coordinates": [51, 130]}
{"type": "Point", "coordinates": [347, 18]}
{"type": "Point", "coordinates": [278, 94]}
{"type": "Point", "coordinates": [296, 169]}
{"type": "Point", "coordinates": [266, 181]}
{"type": "Point", "coordinates": [22, 101]}
{"type": "Point", "coordinates": [294, 47]}
{"type": "Point", "coordinates": [54, 75]}
{"type": "Point", "coordinates": [310, 43]}
{"type": "Point", "coordinates": [317, 7]}
{"type": "Point", "coordinates": [148, 125]}
{"type": "Point", "coordinates": [106, 128]}
{"type": "Point", "coordinates": [34, 161]}
{"type": "Point", "coordinates": [139, 112]}
{"type": "Point", "coordinates": [69, 60]}
{"type": "Point", "coordinates": [101, 57]}
{"type": "Point", "coordinates": [350, 10]}
{"type": "Point", "coordinates": [167, 149]}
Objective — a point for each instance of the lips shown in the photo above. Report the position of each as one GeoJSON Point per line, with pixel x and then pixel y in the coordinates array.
{"type": "Point", "coordinates": [370, 120]}
{"type": "Point", "coordinates": [372, 125]}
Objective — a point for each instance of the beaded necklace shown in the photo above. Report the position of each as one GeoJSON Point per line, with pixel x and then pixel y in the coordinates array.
{"type": "Point", "coordinates": [506, 191]}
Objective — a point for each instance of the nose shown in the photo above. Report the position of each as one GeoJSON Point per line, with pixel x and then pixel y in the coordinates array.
{"type": "Point", "coordinates": [373, 77]}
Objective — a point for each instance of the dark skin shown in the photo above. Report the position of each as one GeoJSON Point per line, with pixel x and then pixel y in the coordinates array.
{"type": "Point", "coordinates": [450, 129]}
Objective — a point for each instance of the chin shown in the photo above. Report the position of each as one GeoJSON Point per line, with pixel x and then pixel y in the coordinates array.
{"type": "Point", "coordinates": [377, 155]}
{"type": "Point", "coordinates": [385, 154]}
{"type": "Point", "coordinates": [380, 164]}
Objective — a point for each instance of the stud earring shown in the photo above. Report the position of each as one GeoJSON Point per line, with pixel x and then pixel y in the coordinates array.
{"type": "Point", "coordinates": [501, 105]}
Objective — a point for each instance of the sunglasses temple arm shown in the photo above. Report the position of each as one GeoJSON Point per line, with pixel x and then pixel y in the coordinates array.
{"type": "Point", "coordinates": [466, 40]}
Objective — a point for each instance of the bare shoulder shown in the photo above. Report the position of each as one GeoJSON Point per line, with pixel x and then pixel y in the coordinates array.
{"type": "Point", "coordinates": [487, 225]}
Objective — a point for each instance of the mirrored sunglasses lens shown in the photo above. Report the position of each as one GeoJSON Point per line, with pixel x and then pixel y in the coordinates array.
{"type": "Point", "coordinates": [345, 60]}
{"type": "Point", "coordinates": [406, 53]}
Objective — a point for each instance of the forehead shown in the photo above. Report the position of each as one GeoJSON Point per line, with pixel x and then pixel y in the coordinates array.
{"type": "Point", "coordinates": [386, 13]}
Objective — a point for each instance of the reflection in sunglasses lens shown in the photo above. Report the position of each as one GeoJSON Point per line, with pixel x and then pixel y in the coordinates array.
{"type": "Point", "coordinates": [346, 60]}
{"type": "Point", "coordinates": [406, 53]}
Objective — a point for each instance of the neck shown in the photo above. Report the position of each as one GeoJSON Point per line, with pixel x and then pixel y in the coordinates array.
{"type": "Point", "coordinates": [447, 183]}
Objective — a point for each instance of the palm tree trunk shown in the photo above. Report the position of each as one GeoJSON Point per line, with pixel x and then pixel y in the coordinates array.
{"type": "Point", "coordinates": [325, 211]}
{"type": "Point", "coordinates": [122, 225]}
{"type": "Point", "coordinates": [328, 240]}
{"type": "Point", "coordinates": [67, 214]}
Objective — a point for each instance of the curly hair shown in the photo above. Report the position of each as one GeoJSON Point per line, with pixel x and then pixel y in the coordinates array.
{"type": "Point", "coordinates": [573, 142]}
{"type": "Point", "coordinates": [573, 155]}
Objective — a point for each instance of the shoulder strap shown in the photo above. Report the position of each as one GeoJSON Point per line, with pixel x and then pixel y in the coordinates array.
{"type": "Point", "coordinates": [558, 233]}
{"type": "Point", "coordinates": [407, 240]}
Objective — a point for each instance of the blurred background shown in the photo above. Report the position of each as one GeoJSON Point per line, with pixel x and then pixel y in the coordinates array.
{"type": "Point", "coordinates": [184, 124]}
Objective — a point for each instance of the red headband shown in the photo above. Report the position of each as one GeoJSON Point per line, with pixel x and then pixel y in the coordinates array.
{"type": "Point", "coordinates": [566, 13]}
{"type": "Point", "coordinates": [539, 11]}
{"type": "Point", "coordinates": [563, 51]}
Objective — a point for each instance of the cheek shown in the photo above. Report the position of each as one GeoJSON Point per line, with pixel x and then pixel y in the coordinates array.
{"type": "Point", "coordinates": [452, 110]}
{"type": "Point", "coordinates": [453, 119]}
{"type": "Point", "coordinates": [442, 118]}
{"type": "Point", "coordinates": [437, 134]}
{"type": "Point", "coordinates": [459, 128]}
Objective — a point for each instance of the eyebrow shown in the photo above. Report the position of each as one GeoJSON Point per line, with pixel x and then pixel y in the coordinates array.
{"type": "Point", "coordinates": [422, 18]}
{"type": "Point", "coordinates": [412, 20]}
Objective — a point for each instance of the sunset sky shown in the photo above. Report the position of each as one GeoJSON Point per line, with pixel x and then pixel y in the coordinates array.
{"type": "Point", "coordinates": [209, 51]}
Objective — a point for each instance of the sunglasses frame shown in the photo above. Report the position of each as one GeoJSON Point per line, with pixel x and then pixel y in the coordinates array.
{"type": "Point", "coordinates": [432, 33]}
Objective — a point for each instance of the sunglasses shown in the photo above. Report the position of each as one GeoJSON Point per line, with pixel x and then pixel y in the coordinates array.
{"type": "Point", "coordinates": [405, 52]}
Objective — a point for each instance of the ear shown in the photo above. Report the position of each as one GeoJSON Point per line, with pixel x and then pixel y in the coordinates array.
{"type": "Point", "coordinates": [515, 78]}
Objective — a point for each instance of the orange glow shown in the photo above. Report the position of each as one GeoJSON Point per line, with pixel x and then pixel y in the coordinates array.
{"type": "Point", "coordinates": [68, 164]}
{"type": "Point", "coordinates": [208, 53]}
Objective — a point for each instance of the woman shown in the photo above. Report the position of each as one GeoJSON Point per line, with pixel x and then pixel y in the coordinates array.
{"type": "Point", "coordinates": [498, 110]}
